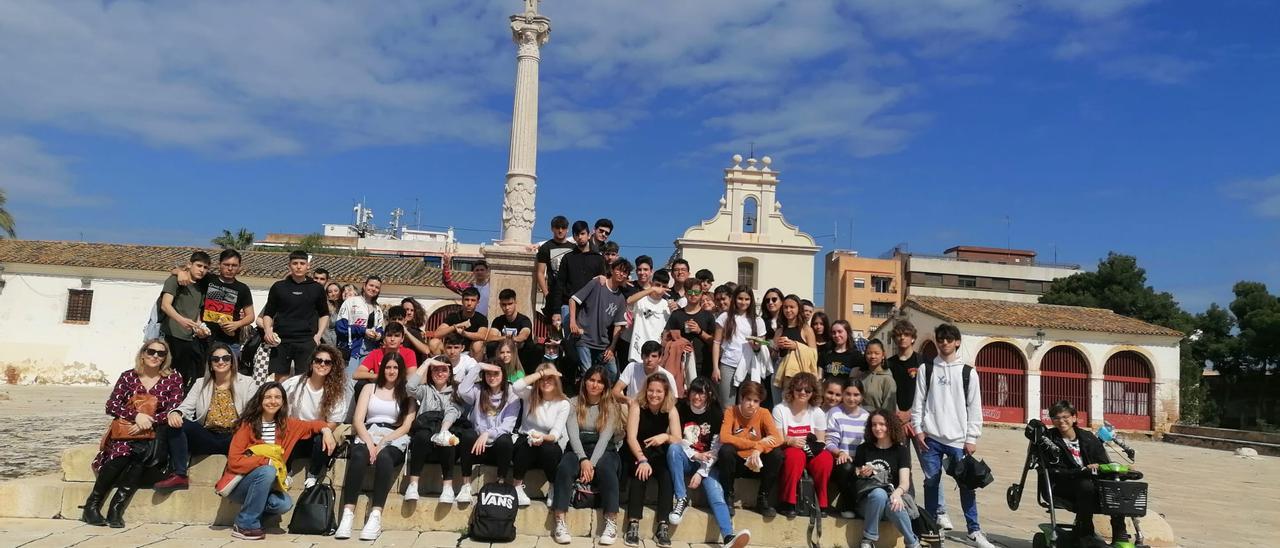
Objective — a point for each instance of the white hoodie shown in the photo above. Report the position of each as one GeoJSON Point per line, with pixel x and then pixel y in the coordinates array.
{"type": "Point", "coordinates": [949, 416]}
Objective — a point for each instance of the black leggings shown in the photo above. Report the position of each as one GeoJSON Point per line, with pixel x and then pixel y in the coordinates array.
{"type": "Point", "coordinates": [384, 473]}
{"type": "Point", "coordinates": [605, 480]}
{"type": "Point", "coordinates": [312, 448]}
{"type": "Point", "coordinates": [731, 467]}
{"type": "Point", "coordinates": [423, 450]}
{"type": "Point", "coordinates": [496, 454]}
{"type": "Point", "coordinates": [657, 457]}
{"type": "Point", "coordinates": [545, 457]}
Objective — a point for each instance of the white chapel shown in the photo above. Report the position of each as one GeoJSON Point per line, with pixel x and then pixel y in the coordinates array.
{"type": "Point", "coordinates": [748, 241]}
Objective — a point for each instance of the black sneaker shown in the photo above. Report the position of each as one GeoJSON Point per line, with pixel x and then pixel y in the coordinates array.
{"type": "Point", "coordinates": [677, 511]}
{"type": "Point", "coordinates": [632, 538]}
{"type": "Point", "coordinates": [663, 536]}
{"type": "Point", "coordinates": [739, 540]}
{"type": "Point", "coordinates": [762, 506]}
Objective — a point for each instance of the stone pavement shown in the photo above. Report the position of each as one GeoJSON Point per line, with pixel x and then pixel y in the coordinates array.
{"type": "Point", "coordinates": [1208, 497]}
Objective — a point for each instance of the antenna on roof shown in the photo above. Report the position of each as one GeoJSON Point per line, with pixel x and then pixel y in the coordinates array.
{"type": "Point", "coordinates": [752, 154]}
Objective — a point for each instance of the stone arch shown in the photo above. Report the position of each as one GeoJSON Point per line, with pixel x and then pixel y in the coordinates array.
{"type": "Point", "coordinates": [1002, 371]}
{"type": "Point", "coordinates": [1064, 375]}
{"type": "Point", "coordinates": [750, 214]}
{"type": "Point", "coordinates": [1128, 390]}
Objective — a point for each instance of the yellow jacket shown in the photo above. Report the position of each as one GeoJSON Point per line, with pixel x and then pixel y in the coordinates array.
{"type": "Point", "coordinates": [275, 454]}
{"type": "Point", "coordinates": [804, 359]}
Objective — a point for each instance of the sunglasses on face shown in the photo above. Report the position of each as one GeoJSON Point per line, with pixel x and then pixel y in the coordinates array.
{"type": "Point", "coordinates": [321, 361]}
{"type": "Point", "coordinates": [771, 299]}
{"type": "Point", "coordinates": [156, 353]}
{"type": "Point", "coordinates": [694, 292]}
{"type": "Point", "coordinates": [220, 358]}
{"type": "Point", "coordinates": [803, 390]}
{"type": "Point", "coordinates": [605, 232]}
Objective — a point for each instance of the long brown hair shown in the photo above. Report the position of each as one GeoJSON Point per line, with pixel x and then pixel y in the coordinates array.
{"type": "Point", "coordinates": [510, 368]}
{"type": "Point", "coordinates": [891, 423]}
{"type": "Point", "coordinates": [253, 410]}
{"type": "Point", "coordinates": [399, 390]}
{"type": "Point", "coordinates": [731, 315]}
{"type": "Point", "coordinates": [484, 398]}
{"type": "Point", "coordinates": [334, 387]}
{"type": "Point", "coordinates": [609, 410]}
{"type": "Point", "coordinates": [535, 395]}
{"type": "Point", "coordinates": [209, 377]}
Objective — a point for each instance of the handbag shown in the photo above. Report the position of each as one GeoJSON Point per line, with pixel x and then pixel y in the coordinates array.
{"type": "Point", "coordinates": [428, 421]}
{"type": "Point", "coordinates": [313, 514]}
{"type": "Point", "coordinates": [584, 496]}
{"type": "Point", "coordinates": [143, 404]}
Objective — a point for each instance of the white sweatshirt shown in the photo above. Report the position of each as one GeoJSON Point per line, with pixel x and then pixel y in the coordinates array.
{"type": "Point", "coordinates": [948, 416]}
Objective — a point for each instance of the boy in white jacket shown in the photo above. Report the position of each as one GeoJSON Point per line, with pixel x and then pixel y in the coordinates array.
{"type": "Point", "coordinates": [947, 416]}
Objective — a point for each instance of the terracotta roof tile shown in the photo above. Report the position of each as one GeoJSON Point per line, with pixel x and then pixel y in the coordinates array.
{"type": "Point", "coordinates": [259, 264]}
{"type": "Point", "coordinates": [1045, 316]}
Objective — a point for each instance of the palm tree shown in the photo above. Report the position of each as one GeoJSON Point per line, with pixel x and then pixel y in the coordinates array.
{"type": "Point", "coordinates": [241, 240]}
{"type": "Point", "coordinates": [6, 220]}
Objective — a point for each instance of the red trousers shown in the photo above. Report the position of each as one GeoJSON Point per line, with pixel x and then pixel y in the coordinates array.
{"type": "Point", "coordinates": [794, 464]}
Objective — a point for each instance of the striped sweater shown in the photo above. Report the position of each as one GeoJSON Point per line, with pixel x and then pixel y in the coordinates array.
{"type": "Point", "coordinates": [845, 430]}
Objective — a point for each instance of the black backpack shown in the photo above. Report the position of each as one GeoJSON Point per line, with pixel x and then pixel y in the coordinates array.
{"type": "Point", "coordinates": [314, 512]}
{"type": "Point", "coordinates": [925, 527]}
{"type": "Point", "coordinates": [494, 517]}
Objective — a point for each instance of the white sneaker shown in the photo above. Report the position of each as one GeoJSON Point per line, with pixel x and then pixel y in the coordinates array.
{"type": "Point", "coordinates": [522, 498]}
{"type": "Point", "coordinates": [372, 526]}
{"type": "Point", "coordinates": [980, 540]}
{"type": "Point", "coordinates": [309, 483]}
{"type": "Point", "coordinates": [464, 494]}
{"type": "Point", "coordinates": [446, 494]}
{"type": "Point", "coordinates": [344, 525]}
{"type": "Point", "coordinates": [610, 534]}
{"type": "Point", "coordinates": [866, 544]}
{"type": "Point", "coordinates": [944, 522]}
{"type": "Point", "coordinates": [846, 514]}
{"type": "Point", "coordinates": [550, 497]}
{"type": "Point", "coordinates": [411, 492]}
{"type": "Point", "coordinates": [561, 533]}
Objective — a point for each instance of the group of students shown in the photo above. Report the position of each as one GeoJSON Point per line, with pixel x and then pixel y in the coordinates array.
{"type": "Point", "coordinates": [702, 362]}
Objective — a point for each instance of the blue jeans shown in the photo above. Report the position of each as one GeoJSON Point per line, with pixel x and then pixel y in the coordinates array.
{"type": "Point", "coordinates": [588, 357]}
{"type": "Point", "coordinates": [256, 497]}
{"type": "Point", "coordinates": [931, 464]}
{"type": "Point", "coordinates": [194, 439]}
{"type": "Point", "coordinates": [681, 468]}
{"type": "Point", "coordinates": [876, 505]}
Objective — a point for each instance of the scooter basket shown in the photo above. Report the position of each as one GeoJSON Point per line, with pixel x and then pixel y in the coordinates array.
{"type": "Point", "coordinates": [1122, 498]}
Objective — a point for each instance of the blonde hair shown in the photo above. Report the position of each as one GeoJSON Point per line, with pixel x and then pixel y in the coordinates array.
{"type": "Point", "coordinates": [535, 395]}
{"type": "Point", "coordinates": [166, 366]}
{"type": "Point", "coordinates": [514, 365]}
{"type": "Point", "coordinates": [668, 401]}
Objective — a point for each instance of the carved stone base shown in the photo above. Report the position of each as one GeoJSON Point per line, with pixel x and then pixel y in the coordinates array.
{"type": "Point", "coordinates": [510, 267]}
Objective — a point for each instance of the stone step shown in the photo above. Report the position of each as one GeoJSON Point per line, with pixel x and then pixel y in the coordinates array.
{"type": "Point", "coordinates": [49, 496]}
{"type": "Point", "coordinates": [1209, 442]}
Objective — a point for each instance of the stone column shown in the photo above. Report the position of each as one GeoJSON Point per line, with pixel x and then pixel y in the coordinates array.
{"type": "Point", "coordinates": [511, 261]}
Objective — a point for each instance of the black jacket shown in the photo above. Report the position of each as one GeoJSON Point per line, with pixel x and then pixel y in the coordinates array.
{"type": "Point", "coordinates": [1091, 449]}
{"type": "Point", "coordinates": [576, 269]}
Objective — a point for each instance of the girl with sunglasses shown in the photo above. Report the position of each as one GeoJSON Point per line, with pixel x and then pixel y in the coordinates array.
{"type": "Point", "coordinates": [320, 394]}
{"type": "Point", "coordinates": [771, 310]}
{"type": "Point", "coordinates": [435, 390]}
{"type": "Point", "coordinates": [541, 437]}
{"type": "Point", "coordinates": [202, 424]}
{"type": "Point", "coordinates": [121, 462]}
{"type": "Point", "coordinates": [803, 426]}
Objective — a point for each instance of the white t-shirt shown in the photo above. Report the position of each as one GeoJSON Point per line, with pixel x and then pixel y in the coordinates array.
{"type": "Point", "coordinates": [632, 379]}
{"type": "Point", "coordinates": [733, 350]}
{"type": "Point", "coordinates": [650, 319]}
{"type": "Point", "coordinates": [809, 421]}
{"type": "Point", "coordinates": [1073, 449]}
{"type": "Point", "coordinates": [304, 402]}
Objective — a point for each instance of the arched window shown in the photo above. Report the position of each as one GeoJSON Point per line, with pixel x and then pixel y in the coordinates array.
{"type": "Point", "coordinates": [750, 214]}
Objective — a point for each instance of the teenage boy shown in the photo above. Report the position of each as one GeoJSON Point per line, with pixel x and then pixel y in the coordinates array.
{"type": "Point", "coordinates": [392, 341]}
{"type": "Point", "coordinates": [360, 322]}
{"type": "Point", "coordinates": [603, 228]}
{"type": "Point", "coordinates": [320, 275]}
{"type": "Point", "coordinates": [182, 326]}
{"type": "Point", "coordinates": [295, 316]}
{"type": "Point", "coordinates": [228, 302]}
{"type": "Point", "coordinates": [468, 323]}
{"type": "Point", "coordinates": [578, 267]}
{"type": "Point", "coordinates": [806, 312]}
{"type": "Point", "coordinates": [479, 277]}
{"type": "Point", "coordinates": [695, 325]}
{"type": "Point", "coordinates": [631, 382]}
{"type": "Point", "coordinates": [547, 268]}
{"type": "Point", "coordinates": [706, 278]}
{"type": "Point", "coordinates": [634, 292]}
{"type": "Point", "coordinates": [515, 326]}
{"type": "Point", "coordinates": [904, 365]}
{"type": "Point", "coordinates": [947, 416]}
{"type": "Point", "coordinates": [597, 314]}
{"type": "Point", "coordinates": [679, 273]}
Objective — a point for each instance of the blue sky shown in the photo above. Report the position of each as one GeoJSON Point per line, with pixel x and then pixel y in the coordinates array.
{"type": "Point", "coordinates": [1138, 126]}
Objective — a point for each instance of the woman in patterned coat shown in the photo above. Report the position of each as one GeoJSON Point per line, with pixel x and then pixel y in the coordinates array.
{"type": "Point", "coordinates": [120, 463]}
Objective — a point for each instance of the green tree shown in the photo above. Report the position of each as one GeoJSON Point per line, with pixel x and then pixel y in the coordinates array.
{"type": "Point", "coordinates": [313, 243]}
{"type": "Point", "coordinates": [240, 241]}
{"type": "Point", "coordinates": [6, 220]}
{"type": "Point", "coordinates": [1120, 285]}
{"type": "Point", "coordinates": [1257, 314]}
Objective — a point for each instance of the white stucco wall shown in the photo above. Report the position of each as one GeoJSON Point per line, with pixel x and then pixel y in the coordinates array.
{"type": "Point", "coordinates": [989, 270]}
{"type": "Point", "coordinates": [1163, 354]}
{"type": "Point", "coordinates": [38, 343]}
{"type": "Point", "coordinates": [792, 272]}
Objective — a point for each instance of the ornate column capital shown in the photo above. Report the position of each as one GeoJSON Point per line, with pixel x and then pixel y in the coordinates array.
{"type": "Point", "coordinates": [530, 32]}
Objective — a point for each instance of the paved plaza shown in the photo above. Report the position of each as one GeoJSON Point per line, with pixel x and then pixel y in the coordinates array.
{"type": "Point", "coordinates": [1208, 497]}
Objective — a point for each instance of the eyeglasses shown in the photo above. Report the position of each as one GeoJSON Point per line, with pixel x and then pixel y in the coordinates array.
{"type": "Point", "coordinates": [1063, 418]}
{"type": "Point", "coordinates": [771, 299]}
{"type": "Point", "coordinates": [694, 291]}
{"type": "Point", "coordinates": [156, 353]}
{"type": "Point", "coordinates": [220, 358]}
{"type": "Point", "coordinates": [946, 340]}
{"type": "Point", "coordinates": [803, 390]}
{"type": "Point", "coordinates": [604, 232]}
{"type": "Point", "coordinates": [321, 361]}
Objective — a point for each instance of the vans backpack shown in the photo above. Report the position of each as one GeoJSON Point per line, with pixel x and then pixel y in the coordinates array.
{"type": "Point", "coordinates": [494, 517]}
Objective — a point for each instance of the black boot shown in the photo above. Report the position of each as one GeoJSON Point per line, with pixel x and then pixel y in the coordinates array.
{"type": "Point", "coordinates": [119, 503]}
{"type": "Point", "coordinates": [108, 476]}
{"type": "Point", "coordinates": [763, 506]}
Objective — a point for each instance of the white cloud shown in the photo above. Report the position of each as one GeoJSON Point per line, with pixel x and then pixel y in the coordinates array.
{"type": "Point", "coordinates": [941, 20]}
{"type": "Point", "coordinates": [1263, 194]}
{"type": "Point", "coordinates": [1094, 10]}
{"type": "Point", "coordinates": [1154, 68]}
{"type": "Point", "coordinates": [30, 174]}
